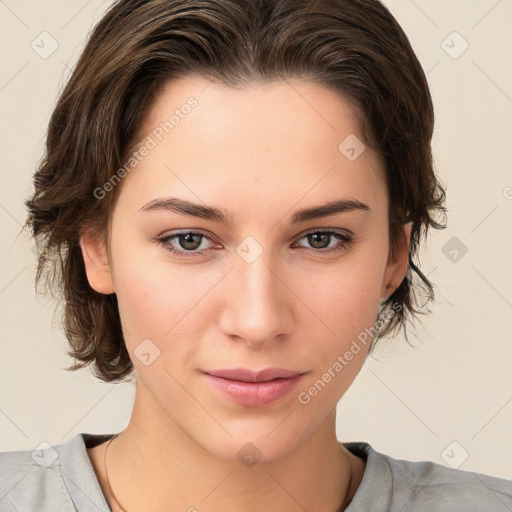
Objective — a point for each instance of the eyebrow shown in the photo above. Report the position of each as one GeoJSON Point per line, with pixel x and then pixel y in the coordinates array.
{"type": "Point", "coordinates": [184, 207]}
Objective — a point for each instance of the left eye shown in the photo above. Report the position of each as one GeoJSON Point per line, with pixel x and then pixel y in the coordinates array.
{"type": "Point", "coordinates": [190, 241]}
{"type": "Point", "coordinates": [318, 238]}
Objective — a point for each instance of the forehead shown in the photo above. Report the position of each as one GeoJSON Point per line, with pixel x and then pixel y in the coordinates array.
{"type": "Point", "coordinates": [258, 110]}
{"type": "Point", "coordinates": [285, 138]}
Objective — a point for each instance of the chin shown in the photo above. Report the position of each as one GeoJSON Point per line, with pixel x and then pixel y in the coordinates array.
{"type": "Point", "coordinates": [250, 446]}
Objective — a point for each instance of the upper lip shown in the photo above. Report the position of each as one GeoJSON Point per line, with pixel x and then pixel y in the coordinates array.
{"type": "Point", "coordinates": [248, 375]}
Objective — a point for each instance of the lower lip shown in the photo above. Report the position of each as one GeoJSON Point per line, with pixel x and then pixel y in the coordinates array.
{"type": "Point", "coordinates": [254, 394]}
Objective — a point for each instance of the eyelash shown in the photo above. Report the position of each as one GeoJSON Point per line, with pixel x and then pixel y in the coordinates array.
{"type": "Point", "coordinates": [346, 240]}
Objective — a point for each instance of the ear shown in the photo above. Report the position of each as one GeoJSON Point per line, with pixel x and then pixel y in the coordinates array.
{"type": "Point", "coordinates": [97, 266]}
{"type": "Point", "coordinates": [397, 265]}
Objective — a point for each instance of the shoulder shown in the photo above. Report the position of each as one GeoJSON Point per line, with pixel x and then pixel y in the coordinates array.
{"type": "Point", "coordinates": [29, 475]}
{"type": "Point", "coordinates": [426, 486]}
{"type": "Point", "coordinates": [47, 478]}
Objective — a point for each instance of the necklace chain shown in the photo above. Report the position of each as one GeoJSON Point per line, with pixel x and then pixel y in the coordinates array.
{"type": "Point", "coordinates": [341, 509]}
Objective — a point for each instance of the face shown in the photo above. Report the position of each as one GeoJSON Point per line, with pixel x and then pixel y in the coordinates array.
{"type": "Point", "coordinates": [255, 285]}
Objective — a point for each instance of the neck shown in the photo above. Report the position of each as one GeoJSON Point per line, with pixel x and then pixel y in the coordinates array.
{"type": "Point", "coordinates": [155, 465]}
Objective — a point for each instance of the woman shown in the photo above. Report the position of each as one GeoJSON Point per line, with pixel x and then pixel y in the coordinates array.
{"type": "Point", "coordinates": [235, 193]}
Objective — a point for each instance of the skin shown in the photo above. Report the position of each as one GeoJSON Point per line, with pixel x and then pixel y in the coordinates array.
{"type": "Point", "coordinates": [267, 148]}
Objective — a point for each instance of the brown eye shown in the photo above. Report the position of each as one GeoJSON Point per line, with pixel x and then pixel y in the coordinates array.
{"type": "Point", "coordinates": [321, 240]}
{"type": "Point", "coordinates": [318, 240]}
{"type": "Point", "coordinates": [188, 243]}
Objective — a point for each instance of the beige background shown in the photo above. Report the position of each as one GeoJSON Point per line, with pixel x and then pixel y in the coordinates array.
{"type": "Point", "coordinates": [455, 387]}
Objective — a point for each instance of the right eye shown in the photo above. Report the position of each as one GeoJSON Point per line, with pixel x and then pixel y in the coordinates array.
{"type": "Point", "coordinates": [189, 241]}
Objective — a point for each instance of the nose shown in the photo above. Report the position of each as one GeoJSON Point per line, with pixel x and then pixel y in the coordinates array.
{"type": "Point", "coordinates": [258, 305]}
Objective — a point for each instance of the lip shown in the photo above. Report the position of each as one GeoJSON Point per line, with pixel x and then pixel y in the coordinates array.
{"type": "Point", "coordinates": [254, 388]}
{"type": "Point", "coordinates": [248, 375]}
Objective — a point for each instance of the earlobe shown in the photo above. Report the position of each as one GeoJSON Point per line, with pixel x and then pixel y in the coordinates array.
{"type": "Point", "coordinates": [97, 266]}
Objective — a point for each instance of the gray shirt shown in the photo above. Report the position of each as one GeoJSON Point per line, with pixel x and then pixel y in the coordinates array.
{"type": "Point", "coordinates": [61, 478]}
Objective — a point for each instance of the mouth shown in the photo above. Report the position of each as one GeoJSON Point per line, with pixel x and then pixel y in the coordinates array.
{"type": "Point", "coordinates": [254, 388]}
{"type": "Point", "coordinates": [248, 375]}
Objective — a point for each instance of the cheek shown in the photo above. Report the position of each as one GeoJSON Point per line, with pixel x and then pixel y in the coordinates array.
{"type": "Point", "coordinates": [340, 334]}
{"type": "Point", "coordinates": [149, 292]}
{"type": "Point", "coordinates": [344, 299]}
{"type": "Point", "coordinates": [156, 302]}
{"type": "Point", "coordinates": [345, 305]}
{"type": "Point", "coordinates": [163, 303]}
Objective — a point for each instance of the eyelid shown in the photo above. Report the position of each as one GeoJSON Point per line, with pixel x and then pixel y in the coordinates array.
{"type": "Point", "coordinates": [198, 231]}
{"type": "Point", "coordinates": [345, 239]}
{"type": "Point", "coordinates": [346, 232]}
{"type": "Point", "coordinates": [165, 241]}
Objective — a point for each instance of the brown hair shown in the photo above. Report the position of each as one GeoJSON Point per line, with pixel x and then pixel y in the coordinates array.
{"type": "Point", "coordinates": [355, 47]}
